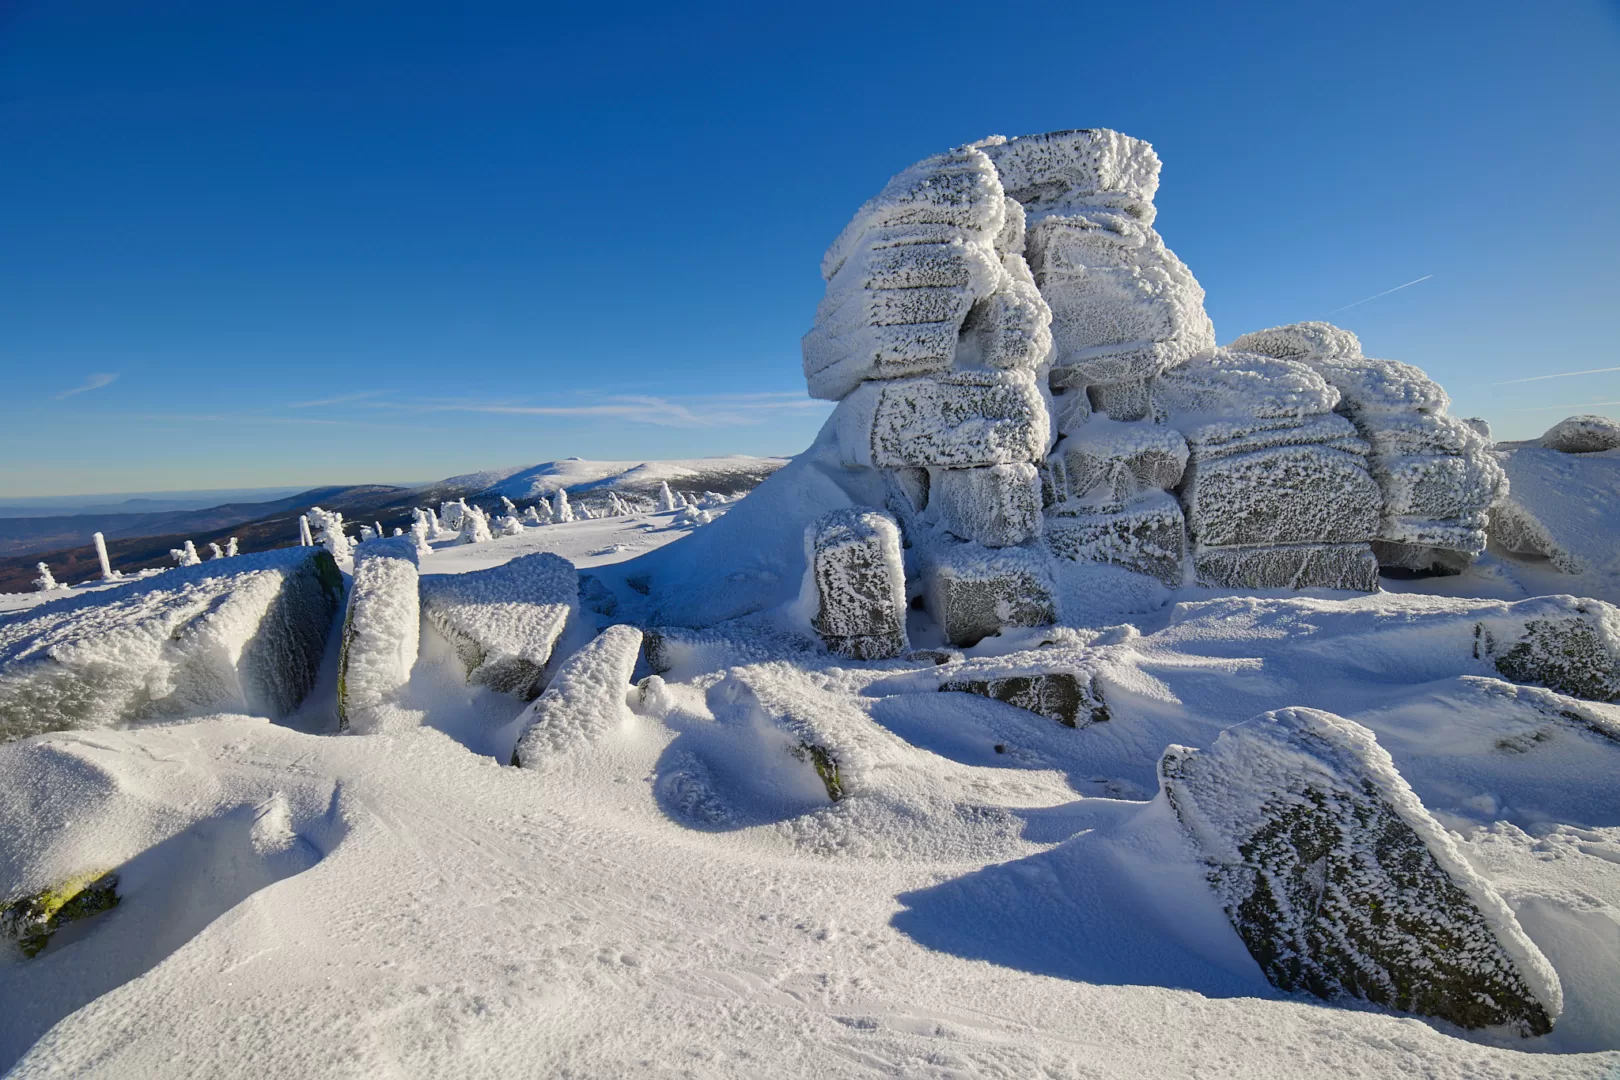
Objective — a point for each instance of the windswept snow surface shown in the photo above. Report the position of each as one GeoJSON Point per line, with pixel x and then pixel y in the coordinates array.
{"type": "Point", "coordinates": [991, 893]}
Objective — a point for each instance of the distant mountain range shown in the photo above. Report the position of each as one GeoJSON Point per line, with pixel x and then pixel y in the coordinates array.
{"type": "Point", "coordinates": [136, 540]}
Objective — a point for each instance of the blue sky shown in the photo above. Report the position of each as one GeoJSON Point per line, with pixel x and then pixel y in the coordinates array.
{"type": "Point", "coordinates": [247, 244]}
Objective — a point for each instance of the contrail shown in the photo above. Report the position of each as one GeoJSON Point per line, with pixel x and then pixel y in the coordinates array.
{"type": "Point", "coordinates": [1560, 375]}
{"type": "Point", "coordinates": [1575, 405]}
{"type": "Point", "coordinates": [1386, 292]}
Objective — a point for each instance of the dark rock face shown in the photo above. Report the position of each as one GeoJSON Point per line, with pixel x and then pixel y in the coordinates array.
{"type": "Point", "coordinates": [1341, 884]}
{"type": "Point", "coordinates": [1070, 698]}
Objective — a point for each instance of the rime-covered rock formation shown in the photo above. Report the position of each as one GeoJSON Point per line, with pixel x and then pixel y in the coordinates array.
{"type": "Point", "coordinates": [1583, 435]}
{"type": "Point", "coordinates": [859, 583]}
{"type": "Point", "coordinates": [382, 627]}
{"type": "Point", "coordinates": [1342, 884]}
{"type": "Point", "coordinates": [1438, 477]}
{"type": "Point", "coordinates": [505, 621]}
{"type": "Point", "coordinates": [231, 635]}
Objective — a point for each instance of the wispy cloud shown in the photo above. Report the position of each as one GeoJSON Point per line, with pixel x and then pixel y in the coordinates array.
{"type": "Point", "coordinates": [94, 382]}
{"type": "Point", "coordinates": [342, 399]}
{"type": "Point", "coordinates": [1558, 375]}
{"type": "Point", "coordinates": [714, 410]}
{"type": "Point", "coordinates": [1572, 405]}
{"type": "Point", "coordinates": [1386, 292]}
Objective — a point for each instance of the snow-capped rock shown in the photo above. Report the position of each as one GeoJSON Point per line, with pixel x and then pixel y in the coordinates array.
{"type": "Point", "coordinates": [505, 621]}
{"type": "Point", "coordinates": [859, 583]}
{"type": "Point", "coordinates": [382, 627]}
{"type": "Point", "coordinates": [1583, 435]}
{"type": "Point", "coordinates": [1342, 884]}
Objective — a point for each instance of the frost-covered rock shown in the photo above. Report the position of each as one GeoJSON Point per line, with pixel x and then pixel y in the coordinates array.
{"type": "Point", "coordinates": [1583, 435]}
{"type": "Point", "coordinates": [505, 621]}
{"type": "Point", "coordinates": [859, 583]}
{"type": "Point", "coordinates": [1288, 566]}
{"type": "Point", "coordinates": [1065, 692]}
{"type": "Point", "coordinates": [237, 635]}
{"type": "Point", "coordinates": [1129, 400]}
{"type": "Point", "coordinates": [1300, 341]}
{"type": "Point", "coordinates": [382, 627]}
{"type": "Point", "coordinates": [585, 700]}
{"type": "Point", "coordinates": [1242, 385]}
{"type": "Point", "coordinates": [1286, 495]}
{"type": "Point", "coordinates": [1147, 536]}
{"type": "Point", "coordinates": [1109, 462]}
{"type": "Point", "coordinates": [1564, 643]}
{"type": "Point", "coordinates": [957, 420]}
{"type": "Point", "coordinates": [997, 506]}
{"type": "Point", "coordinates": [974, 591]}
{"type": "Point", "coordinates": [1341, 884]}
{"type": "Point", "coordinates": [1123, 306]}
{"type": "Point", "coordinates": [905, 273]}
{"type": "Point", "coordinates": [31, 920]}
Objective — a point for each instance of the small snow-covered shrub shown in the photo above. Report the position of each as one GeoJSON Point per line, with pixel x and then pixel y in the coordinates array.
{"type": "Point", "coordinates": [46, 582]}
{"type": "Point", "coordinates": [474, 526]}
{"type": "Point", "coordinates": [185, 556]}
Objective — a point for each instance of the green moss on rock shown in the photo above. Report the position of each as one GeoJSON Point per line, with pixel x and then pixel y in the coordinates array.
{"type": "Point", "coordinates": [31, 920]}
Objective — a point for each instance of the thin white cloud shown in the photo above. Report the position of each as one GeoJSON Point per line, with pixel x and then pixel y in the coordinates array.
{"type": "Point", "coordinates": [1386, 292]}
{"type": "Point", "coordinates": [94, 382]}
{"type": "Point", "coordinates": [1575, 405]}
{"type": "Point", "coordinates": [342, 399]}
{"type": "Point", "coordinates": [1558, 375]}
{"type": "Point", "coordinates": [719, 410]}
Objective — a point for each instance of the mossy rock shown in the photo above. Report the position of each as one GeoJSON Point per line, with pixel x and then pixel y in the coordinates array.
{"type": "Point", "coordinates": [31, 920]}
{"type": "Point", "coordinates": [826, 767]}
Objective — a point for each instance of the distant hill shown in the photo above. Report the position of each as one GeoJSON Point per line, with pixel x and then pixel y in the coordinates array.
{"type": "Point", "coordinates": [138, 541]}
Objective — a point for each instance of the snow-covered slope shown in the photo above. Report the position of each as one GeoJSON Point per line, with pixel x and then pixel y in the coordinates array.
{"type": "Point", "coordinates": [991, 893]}
{"type": "Point", "coordinates": [524, 483]}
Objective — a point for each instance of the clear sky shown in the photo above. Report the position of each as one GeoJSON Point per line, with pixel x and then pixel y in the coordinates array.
{"type": "Point", "coordinates": [246, 244]}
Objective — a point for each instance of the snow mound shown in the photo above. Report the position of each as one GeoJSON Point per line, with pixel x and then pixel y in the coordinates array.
{"type": "Point", "coordinates": [1342, 884]}
{"type": "Point", "coordinates": [1563, 507]}
{"type": "Point", "coordinates": [585, 700]}
{"type": "Point", "coordinates": [505, 621]}
{"type": "Point", "coordinates": [244, 634]}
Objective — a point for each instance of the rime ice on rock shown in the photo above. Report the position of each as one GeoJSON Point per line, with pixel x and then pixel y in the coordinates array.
{"type": "Point", "coordinates": [1342, 884]}
{"type": "Point", "coordinates": [1277, 494]}
{"type": "Point", "coordinates": [505, 621]}
{"type": "Point", "coordinates": [584, 702]}
{"type": "Point", "coordinates": [1583, 435]}
{"type": "Point", "coordinates": [1436, 473]}
{"type": "Point", "coordinates": [860, 584]}
{"type": "Point", "coordinates": [975, 591]}
{"type": "Point", "coordinates": [997, 506]}
{"type": "Point", "coordinates": [237, 635]}
{"type": "Point", "coordinates": [957, 420]}
{"type": "Point", "coordinates": [381, 627]}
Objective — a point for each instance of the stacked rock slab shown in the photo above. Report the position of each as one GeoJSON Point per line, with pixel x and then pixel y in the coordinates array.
{"type": "Point", "coordinates": [1124, 310]}
{"type": "Point", "coordinates": [931, 337]}
{"type": "Point", "coordinates": [1437, 474]}
{"type": "Point", "coordinates": [1277, 492]}
{"type": "Point", "coordinates": [860, 583]}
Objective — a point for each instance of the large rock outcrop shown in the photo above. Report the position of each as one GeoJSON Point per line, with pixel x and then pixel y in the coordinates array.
{"type": "Point", "coordinates": [1341, 884]}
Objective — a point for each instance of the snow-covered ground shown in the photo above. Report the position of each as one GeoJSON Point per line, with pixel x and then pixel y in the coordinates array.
{"type": "Point", "coordinates": [994, 895]}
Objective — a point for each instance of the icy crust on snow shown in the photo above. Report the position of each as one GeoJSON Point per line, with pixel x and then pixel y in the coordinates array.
{"type": "Point", "coordinates": [505, 621]}
{"type": "Point", "coordinates": [1564, 507]}
{"type": "Point", "coordinates": [382, 627]}
{"type": "Point", "coordinates": [956, 420]}
{"type": "Point", "coordinates": [1341, 883]}
{"type": "Point", "coordinates": [244, 634]}
{"type": "Point", "coordinates": [585, 700]}
{"type": "Point", "coordinates": [1584, 434]}
{"type": "Point", "coordinates": [858, 581]}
